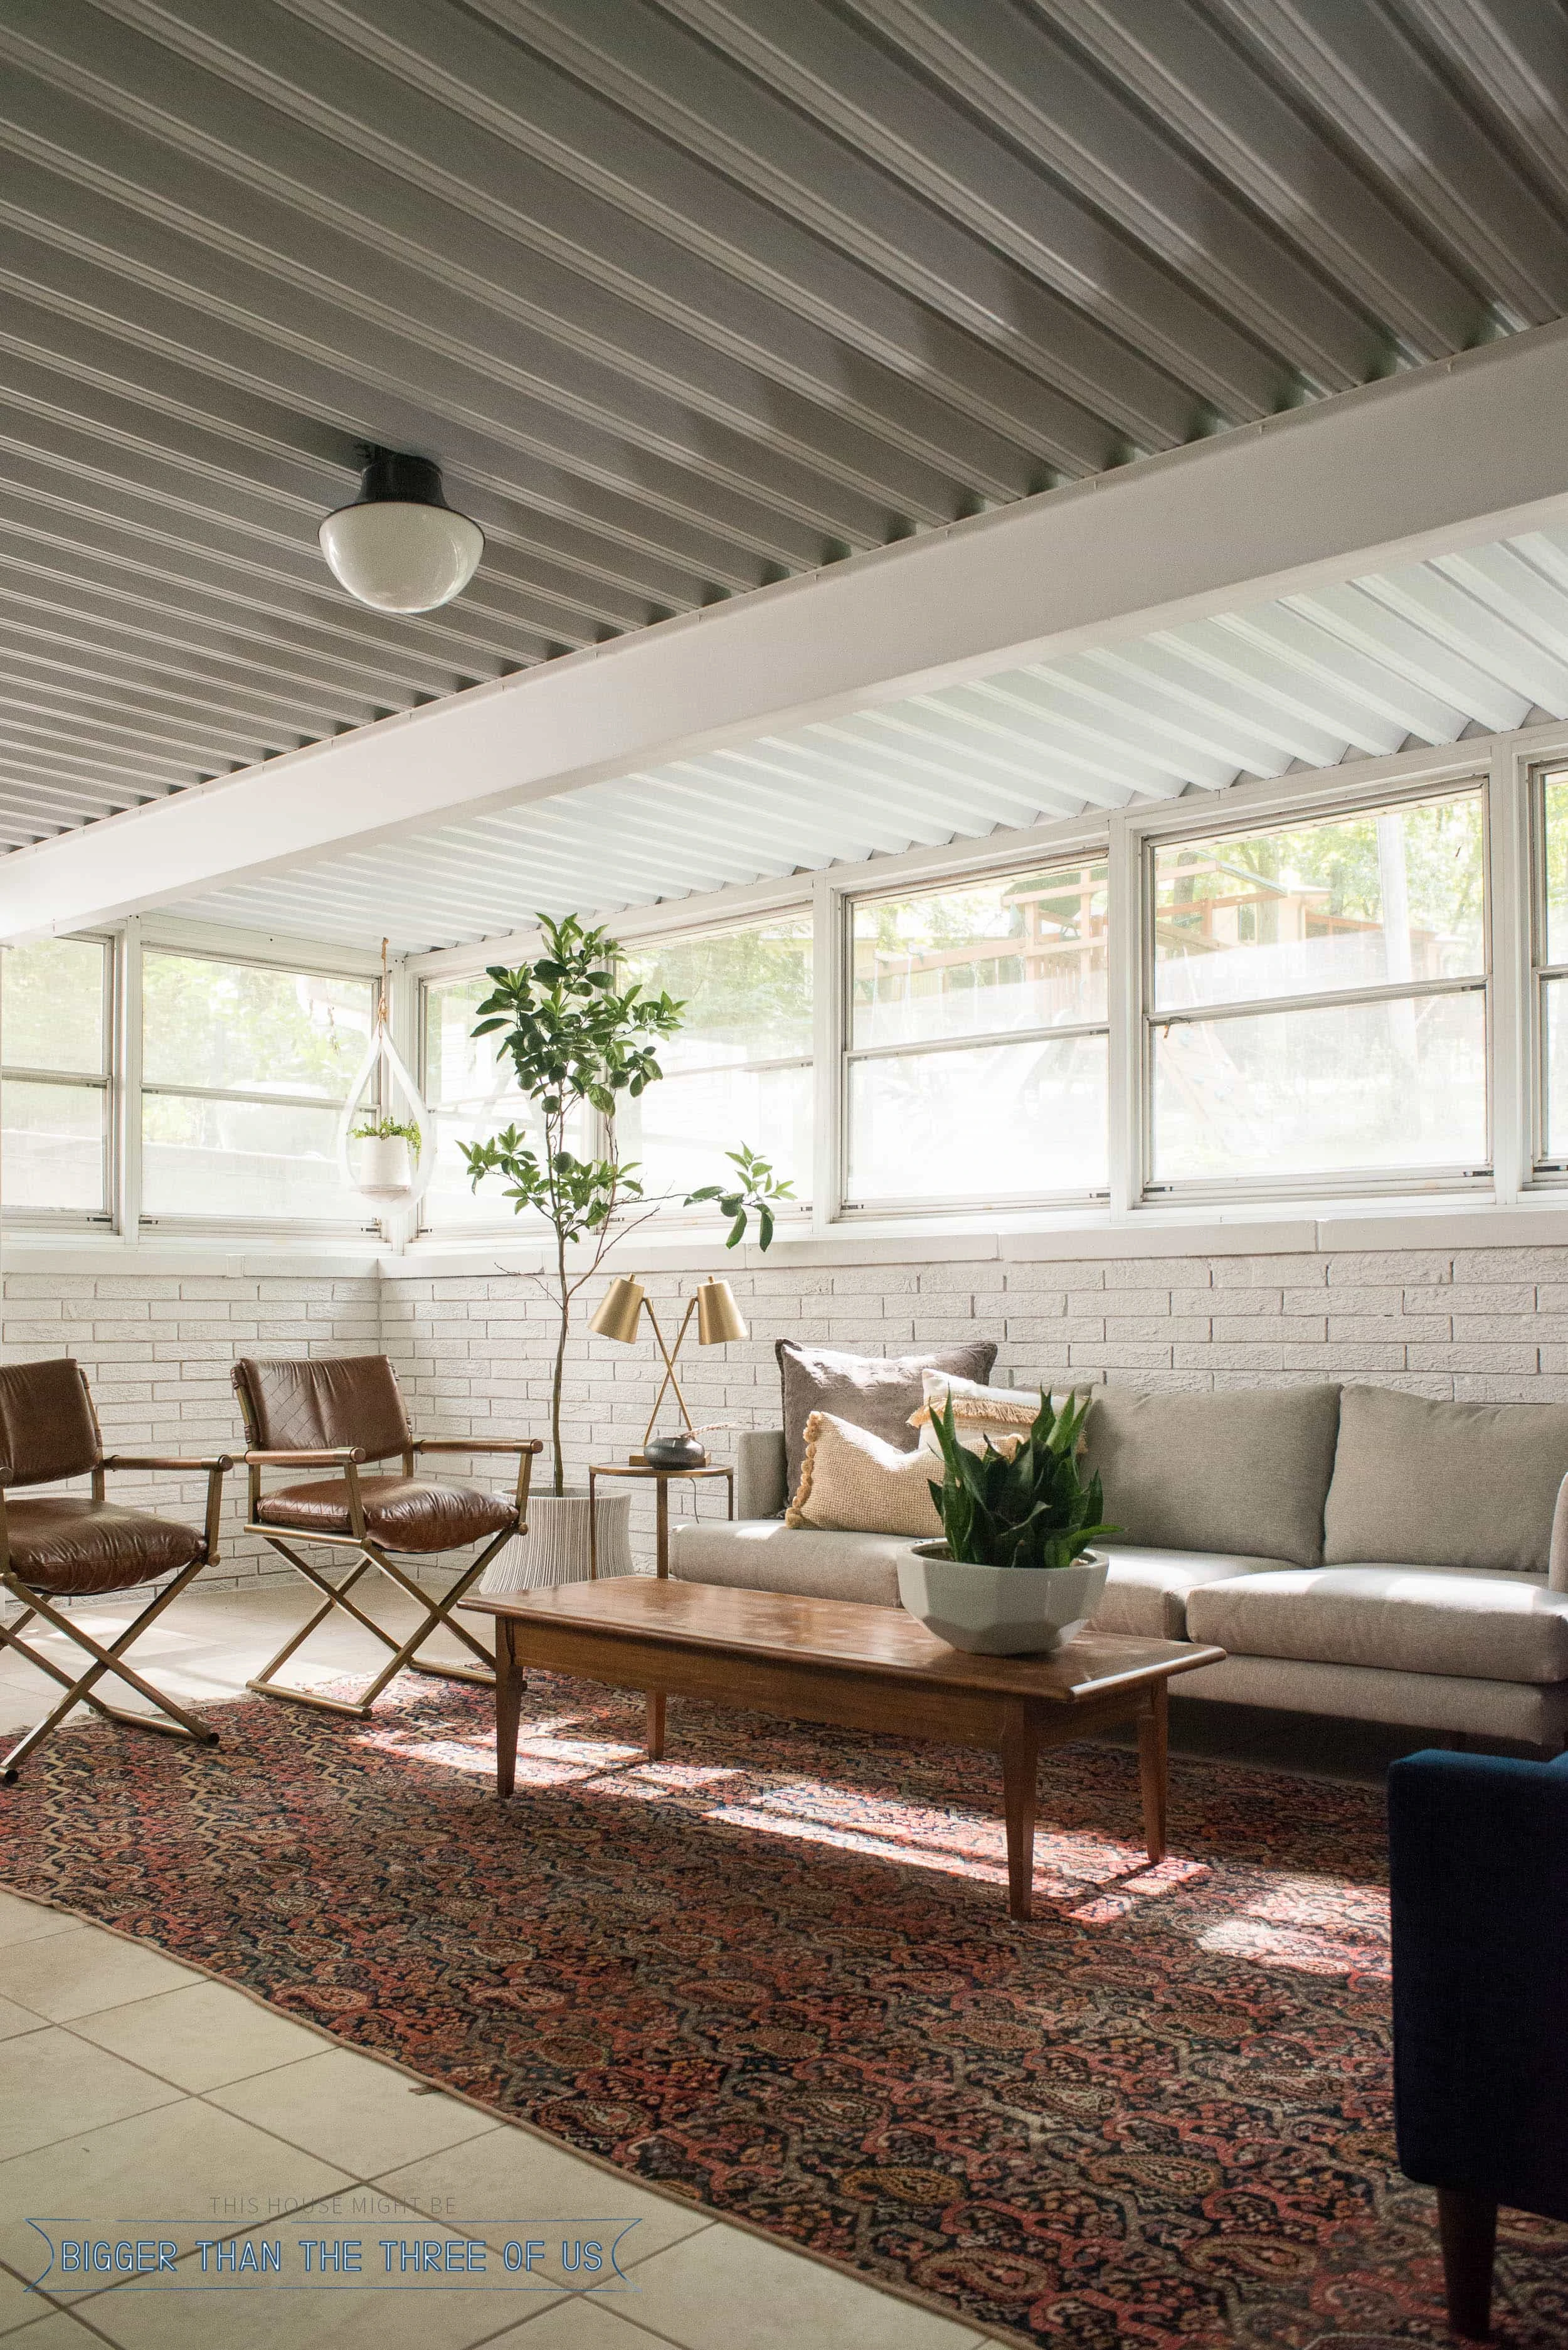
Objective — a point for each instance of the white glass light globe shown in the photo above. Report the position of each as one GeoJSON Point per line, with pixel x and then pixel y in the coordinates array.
{"type": "Point", "coordinates": [399, 555]}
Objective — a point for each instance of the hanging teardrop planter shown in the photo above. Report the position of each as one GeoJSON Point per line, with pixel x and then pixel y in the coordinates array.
{"type": "Point", "coordinates": [387, 1154]}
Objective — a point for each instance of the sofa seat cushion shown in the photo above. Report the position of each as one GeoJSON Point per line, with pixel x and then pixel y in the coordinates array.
{"type": "Point", "coordinates": [1245, 1471]}
{"type": "Point", "coordinates": [1146, 1590]}
{"type": "Point", "coordinates": [1433, 1620]}
{"type": "Point", "coordinates": [404, 1514]}
{"type": "Point", "coordinates": [765, 1554]}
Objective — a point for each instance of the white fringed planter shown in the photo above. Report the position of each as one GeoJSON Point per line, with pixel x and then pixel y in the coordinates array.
{"type": "Point", "coordinates": [555, 1548]}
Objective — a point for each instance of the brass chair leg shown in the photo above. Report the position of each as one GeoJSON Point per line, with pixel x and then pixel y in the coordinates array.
{"type": "Point", "coordinates": [436, 1617]}
{"type": "Point", "coordinates": [178, 1724]}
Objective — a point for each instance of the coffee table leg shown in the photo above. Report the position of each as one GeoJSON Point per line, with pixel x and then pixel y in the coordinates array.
{"type": "Point", "coordinates": [1020, 1760]}
{"type": "Point", "coordinates": [1153, 1750]}
{"type": "Point", "coordinates": [655, 1725]}
{"type": "Point", "coordinates": [508, 1706]}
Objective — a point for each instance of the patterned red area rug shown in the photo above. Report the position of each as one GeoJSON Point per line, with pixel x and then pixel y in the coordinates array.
{"type": "Point", "coordinates": [775, 1974]}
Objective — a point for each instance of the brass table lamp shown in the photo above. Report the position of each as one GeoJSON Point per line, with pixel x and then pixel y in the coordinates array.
{"type": "Point", "coordinates": [719, 1318]}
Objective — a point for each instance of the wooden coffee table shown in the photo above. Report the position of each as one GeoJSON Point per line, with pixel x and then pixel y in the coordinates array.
{"type": "Point", "coordinates": [838, 1661]}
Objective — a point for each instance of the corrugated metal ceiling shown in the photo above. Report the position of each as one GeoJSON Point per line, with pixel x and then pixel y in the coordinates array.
{"type": "Point", "coordinates": [1473, 642]}
{"type": "Point", "coordinates": [685, 296]}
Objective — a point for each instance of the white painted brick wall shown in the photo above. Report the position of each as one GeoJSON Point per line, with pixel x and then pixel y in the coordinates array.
{"type": "Point", "coordinates": [475, 1353]}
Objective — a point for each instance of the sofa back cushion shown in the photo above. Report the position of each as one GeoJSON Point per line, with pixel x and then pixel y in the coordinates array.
{"type": "Point", "coordinates": [1245, 1471]}
{"type": "Point", "coordinates": [874, 1391]}
{"type": "Point", "coordinates": [1444, 1484]}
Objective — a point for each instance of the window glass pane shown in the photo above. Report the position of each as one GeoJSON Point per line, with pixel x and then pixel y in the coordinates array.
{"type": "Point", "coordinates": [1004, 1120]}
{"type": "Point", "coordinates": [242, 1159]}
{"type": "Point", "coordinates": [52, 1146]}
{"type": "Point", "coordinates": [471, 1095]}
{"type": "Point", "coordinates": [1556, 846]}
{"type": "Point", "coordinates": [52, 1016]}
{"type": "Point", "coordinates": [1340, 1089]}
{"type": "Point", "coordinates": [244, 1026]}
{"type": "Point", "coordinates": [1025, 951]}
{"type": "Point", "coordinates": [1352, 901]}
{"type": "Point", "coordinates": [747, 992]}
{"type": "Point", "coordinates": [1554, 1006]}
{"type": "Point", "coordinates": [682, 1127]}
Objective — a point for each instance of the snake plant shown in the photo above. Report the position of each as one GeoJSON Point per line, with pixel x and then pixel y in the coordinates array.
{"type": "Point", "coordinates": [1022, 1506]}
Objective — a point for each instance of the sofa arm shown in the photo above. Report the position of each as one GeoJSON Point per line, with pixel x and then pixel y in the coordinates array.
{"type": "Point", "coordinates": [762, 1478]}
{"type": "Point", "coordinates": [1557, 1557]}
{"type": "Point", "coordinates": [1479, 1881]}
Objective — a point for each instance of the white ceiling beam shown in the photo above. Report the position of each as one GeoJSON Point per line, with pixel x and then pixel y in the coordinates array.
{"type": "Point", "coordinates": [1464, 451]}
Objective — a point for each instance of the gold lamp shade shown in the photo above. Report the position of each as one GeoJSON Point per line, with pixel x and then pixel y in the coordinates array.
{"type": "Point", "coordinates": [620, 1310]}
{"type": "Point", "coordinates": [718, 1315]}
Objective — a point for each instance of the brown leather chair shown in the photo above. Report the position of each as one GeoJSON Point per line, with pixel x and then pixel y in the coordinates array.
{"type": "Point", "coordinates": [333, 1415]}
{"type": "Point", "coordinates": [63, 1545]}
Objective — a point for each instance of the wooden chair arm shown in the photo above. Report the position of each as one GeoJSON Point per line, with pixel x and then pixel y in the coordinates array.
{"type": "Point", "coordinates": [479, 1444]}
{"type": "Point", "coordinates": [220, 1461]}
{"type": "Point", "coordinates": [337, 1456]}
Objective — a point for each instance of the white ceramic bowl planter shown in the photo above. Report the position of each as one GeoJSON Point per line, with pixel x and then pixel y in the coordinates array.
{"type": "Point", "coordinates": [1000, 1611]}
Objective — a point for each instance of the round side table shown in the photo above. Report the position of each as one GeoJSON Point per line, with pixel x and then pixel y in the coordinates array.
{"type": "Point", "coordinates": [662, 1478]}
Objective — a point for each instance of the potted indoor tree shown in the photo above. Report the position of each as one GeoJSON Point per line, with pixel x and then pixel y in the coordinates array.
{"type": "Point", "coordinates": [579, 1044]}
{"type": "Point", "coordinates": [1014, 1574]}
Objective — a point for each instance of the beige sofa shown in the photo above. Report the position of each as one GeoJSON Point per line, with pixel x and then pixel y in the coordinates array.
{"type": "Point", "coordinates": [1357, 1552]}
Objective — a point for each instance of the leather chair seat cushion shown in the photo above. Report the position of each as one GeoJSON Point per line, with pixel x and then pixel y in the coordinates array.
{"type": "Point", "coordinates": [407, 1513]}
{"type": "Point", "coordinates": [1435, 1619]}
{"type": "Point", "coordinates": [64, 1546]}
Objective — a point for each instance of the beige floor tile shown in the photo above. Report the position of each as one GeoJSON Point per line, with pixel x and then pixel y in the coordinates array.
{"type": "Point", "coordinates": [15, 2019]}
{"type": "Point", "coordinates": [200, 2037]}
{"type": "Point", "coordinates": [30, 1921]}
{"type": "Point", "coordinates": [495, 2186]}
{"type": "Point", "coordinates": [693, 2293]}
{"type": "Point", "coordinates": [18, 2307]}
{"type": "Point", "coordinates": [182, 2163]}
{"type": "Point", "coordinates": [81, 1972]}
{"type": "Point", "coordinates": [585, 2323]}
{"type": "Point", "coordinates": [57, 2332]}
{"type": "Point", "coordinates": [440, 2317]}
{"type": "Point", "coordinates": [53, 2086]}
{"type": "Point", "coordinates": [351, 2111]}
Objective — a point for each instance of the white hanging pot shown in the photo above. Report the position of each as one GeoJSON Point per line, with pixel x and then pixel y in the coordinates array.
{"type": "Point", "coordinates": [384, 1168]}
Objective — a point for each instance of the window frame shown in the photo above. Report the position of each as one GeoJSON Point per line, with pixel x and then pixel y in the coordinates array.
{"type": "Point", "coordinates": [1281, 814]}
{"type": "Point", "coordinates": [1545, 1172]}
{"type": "Point", "coordinates": [849, 1210]}
{"type": "Point", "coordinates": [234, 955]}
{"type": "Point", "coordinates": [103, 1083]}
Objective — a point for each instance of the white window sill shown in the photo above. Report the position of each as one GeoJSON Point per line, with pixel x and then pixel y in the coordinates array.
{"type": "Point", "coordinates": [1540, 1220]}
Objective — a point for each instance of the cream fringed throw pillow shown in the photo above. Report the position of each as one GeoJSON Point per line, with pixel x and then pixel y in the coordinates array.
{"type": "Point", "coordinates": [853, 1482]}
{"type": "Point", "coordinates": [979, 1412]}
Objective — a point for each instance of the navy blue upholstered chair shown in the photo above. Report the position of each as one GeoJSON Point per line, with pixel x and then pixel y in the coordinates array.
{"type": "Point", "coordinates": [1478, 1869]}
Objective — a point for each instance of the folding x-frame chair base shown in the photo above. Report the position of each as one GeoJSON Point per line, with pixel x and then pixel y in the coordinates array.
{"type": "Point", "coordinates": [436, 1617]}
{"type": "Point", "coordinates": [176, 1722]}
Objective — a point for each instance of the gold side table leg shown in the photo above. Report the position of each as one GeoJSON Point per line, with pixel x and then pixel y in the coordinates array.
{"type": "Point", "coordinates": [593, 1531]}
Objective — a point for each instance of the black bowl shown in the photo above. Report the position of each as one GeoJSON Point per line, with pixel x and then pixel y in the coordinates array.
{"type": "Point", "coordinates": [674, 1453]}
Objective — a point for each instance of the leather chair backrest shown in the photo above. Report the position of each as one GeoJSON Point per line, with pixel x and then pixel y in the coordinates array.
{"type": "Point", "coordinates": [48, 1428]}
{"type": "Point", "coordinates": [290, 1406]}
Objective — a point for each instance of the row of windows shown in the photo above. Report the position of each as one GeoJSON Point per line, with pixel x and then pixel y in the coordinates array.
{"type": "Point", "coordinates": [1312, 1000]}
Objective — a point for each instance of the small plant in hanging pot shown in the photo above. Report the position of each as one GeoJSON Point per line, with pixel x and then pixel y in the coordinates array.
{"type": "Point", "coordinates": [387, 1154]}
{"type": "Point", "coordinates": [1014, 1575]}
